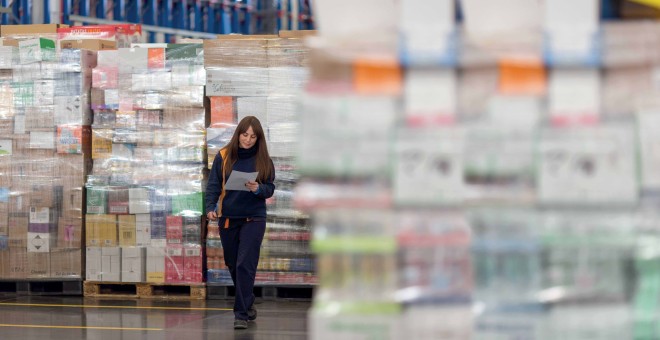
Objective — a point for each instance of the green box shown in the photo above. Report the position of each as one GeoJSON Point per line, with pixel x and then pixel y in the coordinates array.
{"type": "Point", "coordinates": [97, 200]}
{"type": "Point", "coordinates": [188, 204]}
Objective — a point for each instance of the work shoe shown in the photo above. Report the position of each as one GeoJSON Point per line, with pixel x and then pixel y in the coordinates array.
{"type": "Point", "coordinates": [252, 313]}
{"type": "Point", "coordinates": [240, 324]}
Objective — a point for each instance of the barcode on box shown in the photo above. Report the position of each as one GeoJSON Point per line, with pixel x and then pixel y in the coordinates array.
{"type": "Point", "coordinates": [193, 252]}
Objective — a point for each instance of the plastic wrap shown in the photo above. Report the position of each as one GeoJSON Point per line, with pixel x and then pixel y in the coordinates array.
{"type": "Point", "coordinates": [45, 156]}
{"type": "Point", "coordinates": [523, 190]}
{"type": "Point", "coordinates": [144, 193]}
{"type": "Point", "coordinates": [262, 76]}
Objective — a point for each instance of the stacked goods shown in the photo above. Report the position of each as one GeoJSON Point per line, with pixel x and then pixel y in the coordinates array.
{"type": "Point", "coordinates": [515, 184]}
{"type": "Point", "coordinates": [144, 193]}
{"type": "Point", "coordinates": [100, 36]}
{"type": "Point", "coordinates": [261, 76]}
{"type": "Point", "coordinates": [348, 115]}
{"type": "Point", "coordinates": [45, 120]}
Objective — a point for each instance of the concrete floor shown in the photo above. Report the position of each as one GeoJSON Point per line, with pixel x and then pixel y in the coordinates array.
{"type": "Point", "coordinates": [64, 318]}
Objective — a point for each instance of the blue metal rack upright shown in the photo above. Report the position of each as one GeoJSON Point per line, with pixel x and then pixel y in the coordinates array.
{"type": "Point", "coordinates": [208, 16]}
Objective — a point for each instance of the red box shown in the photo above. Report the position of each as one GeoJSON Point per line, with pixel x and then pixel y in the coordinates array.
{"type": "Point", "coordinates": [174, 230]}
{"type": "Point", "coordinates": [174, 264]}
{"type": "Point", "coordinates": [118, 201]}
{"type": "Point", "coordinates": [193, 262]}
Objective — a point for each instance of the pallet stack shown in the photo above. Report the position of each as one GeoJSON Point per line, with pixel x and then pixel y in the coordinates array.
{"type": "Point", "coordinates": [144, 193]}
{"type": "Point", "coordinates": [261, 76]}
{"type": "Point", "coordinates": [45, 120]}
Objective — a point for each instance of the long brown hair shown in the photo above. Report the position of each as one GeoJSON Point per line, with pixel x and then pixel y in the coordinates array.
{"type": "Point", "coordinates": [263, 162]}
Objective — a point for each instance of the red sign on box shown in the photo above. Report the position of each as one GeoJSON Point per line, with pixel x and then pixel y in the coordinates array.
{"type": "Point", "coordinates": [87, 32]}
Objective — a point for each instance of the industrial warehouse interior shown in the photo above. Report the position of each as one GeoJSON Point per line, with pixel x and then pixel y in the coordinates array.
{"type": "Point", "coordinates": [330, 169]}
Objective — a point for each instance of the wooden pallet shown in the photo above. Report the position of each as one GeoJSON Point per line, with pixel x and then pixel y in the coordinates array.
{"type": "Point", "coordinates": [142, 290]}
{"type": "Point", "coordinates": [266, 292]}
{"type": "Point", "coordinates": [43, 287]}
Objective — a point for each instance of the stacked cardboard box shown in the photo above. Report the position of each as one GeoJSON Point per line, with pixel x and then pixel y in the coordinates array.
{"type": "Point", "coordinates": [45, 122]}
{"type": "Point", "coordinates": [144, 202]}
{"type": "Point", "coordinates": [261, 76]}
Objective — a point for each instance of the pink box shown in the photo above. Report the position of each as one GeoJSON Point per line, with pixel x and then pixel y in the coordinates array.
{"type": "Point", "coordinates": [193, 262]}
{"type": "Point", "coordinates": [174, 230]}
{"type": "Point", "coordinates": [174, 264]}
{"type": "Point", "coordinates": [105, 77]}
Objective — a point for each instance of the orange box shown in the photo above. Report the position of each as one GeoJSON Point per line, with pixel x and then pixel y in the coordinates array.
{"type": "Point", "coordinates": [222, 110]}
{"type": "Point", "coordinates": [522, 77]}
{"type": "Point", "coordinates": [156, 58]}
{"type": "Point", "coordinates": [383, 76]}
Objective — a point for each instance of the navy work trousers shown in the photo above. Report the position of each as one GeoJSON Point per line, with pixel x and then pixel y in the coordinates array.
{"type": "Point", "coordinates": [241, 243]}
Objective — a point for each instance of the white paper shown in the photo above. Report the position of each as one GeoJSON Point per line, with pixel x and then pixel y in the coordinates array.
{"type": "Point", "coordinates": [238, 179]}
{"type": "Point", "coordinates": [40, 215]}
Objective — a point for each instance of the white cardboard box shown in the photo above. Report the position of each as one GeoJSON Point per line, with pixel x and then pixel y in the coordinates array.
{"type": "Point", "coordinates": [111, 264]}
{"type": "Point", "coordinates": [138, 201]}
{"type": "Point", "coordinates": [143, 230]}
{"type": "Point", "coordinates": [93, 264]}
{"type": "Point", "coordinates": [156, 264]}
{"type": "Point", "coordinates": [133, 264]}
{"type": "Point", "coordinates": [252, 106]}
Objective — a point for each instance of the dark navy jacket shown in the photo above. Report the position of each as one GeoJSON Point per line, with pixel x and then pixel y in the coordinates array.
{"type": "Point", "coordinates": [238, 204]}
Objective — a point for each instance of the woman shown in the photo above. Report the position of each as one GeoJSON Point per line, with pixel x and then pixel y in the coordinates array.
{"type": "Point", "coordinates": [241, 215]}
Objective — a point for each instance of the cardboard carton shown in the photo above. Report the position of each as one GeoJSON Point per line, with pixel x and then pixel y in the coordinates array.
{"type": "Point", "coordinates": [66, 262]}
{"type": "Point", "coordinates": [18, 229]}
{"type": "Point", "coordinates": [69, 232]}
{"type": "Point", "coordinates": [174, 264]}
{"type": "Point", "coordinates": [93, 264]}
{"type": "Point", "coordinates": [111, 264]}
{"type": "Point", "coordinates": [18, 263]}
{"type": "Point", "coordinates": [127, 230]}
{"type": "Point", "coordinates": [89, 44]}
{"type": "Point", "coordinates": [38, 265]}
{"type": "Point", "coordinates": [30, 30]}
{"type": "Point", "coordinates": [156, 264]}
{"type": "Point", "coordinates": [133, 264]}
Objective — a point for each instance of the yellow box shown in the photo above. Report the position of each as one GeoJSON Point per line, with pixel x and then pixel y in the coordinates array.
{"type": "Point", "coordinates": [127, 231]}
{"type": "Point", "coordinates": [101, 230]}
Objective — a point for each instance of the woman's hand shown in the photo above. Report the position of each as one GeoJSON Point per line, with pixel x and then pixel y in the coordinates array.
{"type": "Point", "coordinates": [211, 215]}
{"type": "Point", "coordinates": [252, 186]}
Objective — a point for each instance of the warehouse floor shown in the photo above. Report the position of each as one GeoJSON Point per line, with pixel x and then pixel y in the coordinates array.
{"type": "Point", "coordinates": [28, 318]}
